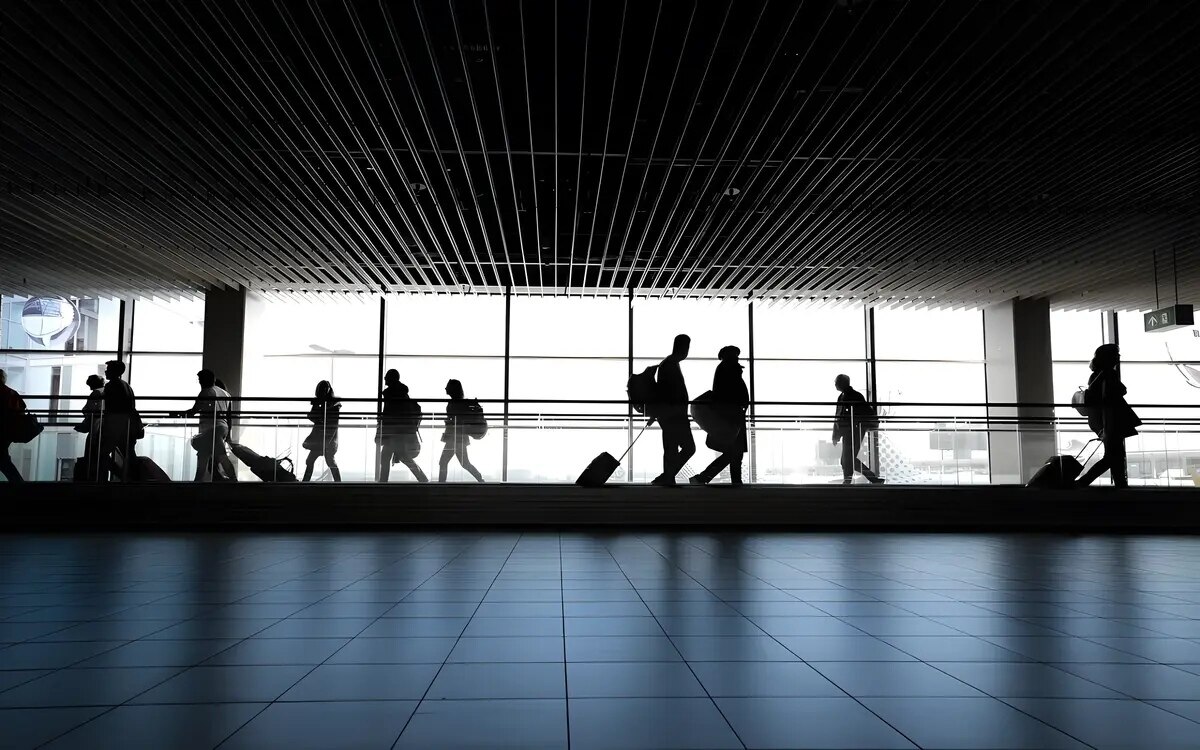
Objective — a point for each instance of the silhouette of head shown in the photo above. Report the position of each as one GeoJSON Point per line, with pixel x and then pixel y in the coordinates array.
{"type": "Point", "coordinates": [391, 377]}
{"type": "Point", "coordinates": [114, 369]}
{"type": "Point", "coordinates": [3, 377]}
{"type": "Point", "coordinates": [683, 344]}
{"type": "Point", "coordinates": [1106, 356]}
{"type": "Point", "coordinates": [324, 391]}
{"type": "Point", "coordinates": [454, 389]}
{"type": "Point", "coordinates": [207, 378]}
{"type": "Point", "coordinates": [729, 353]}
{"type": "Point", "coordinates": [94, 382]}
{"type": "Point", "coordinates": [841, 382]}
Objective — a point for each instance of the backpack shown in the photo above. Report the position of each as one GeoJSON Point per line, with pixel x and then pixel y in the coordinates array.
{"type": "Point", "coordinates": [474, 423]}
{"type": "Point", "coordinates": [642, 388]}
{"type": "Point", "coordinates": [412, 414]}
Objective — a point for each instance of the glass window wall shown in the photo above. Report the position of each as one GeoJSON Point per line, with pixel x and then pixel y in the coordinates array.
{"type": "Point", "coordinates": [49, 345]}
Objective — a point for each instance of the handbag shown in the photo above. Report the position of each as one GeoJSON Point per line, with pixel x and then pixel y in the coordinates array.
{"type": "Point", "coordinates": [1079, 402]}
{"type": "Point", "coordinates": [28, 428]}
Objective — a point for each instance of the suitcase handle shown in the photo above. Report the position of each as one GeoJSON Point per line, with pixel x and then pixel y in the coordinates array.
{"type": "Point", "coordinates": [635, 439]}
{"type": "Point", "coordinates": [1093, 453]}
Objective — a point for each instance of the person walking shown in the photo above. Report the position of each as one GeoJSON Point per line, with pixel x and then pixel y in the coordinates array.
{"type": "Point", "coordinates": [1109, 416]}
{"type": "Point", "coordinates": [458, 415]}
{"type": "Point", "coordinates": [12, 412]}
{"type": "Point", "coordinates": [671, 411]}
{"type": "Point", "coordinates": [91, 426]}
{"type": "Point", "coordinates": [399, 422]}
{"type": "Point", "coordinates": [121, 426]}
{"type": "Point", "coordinates": [323, 439]}
{"type": "Point", "coordinates": [853, 419]}
{"type": "Point", "coordinates": [214, 405]}
{"type": "Point", "coordinates": [730, 399]}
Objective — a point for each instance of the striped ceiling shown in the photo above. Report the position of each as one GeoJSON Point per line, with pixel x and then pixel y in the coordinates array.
{"type": "Point", "coordinates": [880, 151]}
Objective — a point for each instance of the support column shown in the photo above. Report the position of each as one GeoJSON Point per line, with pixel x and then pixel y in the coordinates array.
{"type": "Point", "coordinates": [1019, 369]}
{"type": "Point", "coordinates": [752, 442]}
{"type": "Point", "coordinates": [125, 333]}
{"type": "Point", "coordinates": [507, 359]}
{"type": "Point", "coordinates": [380, 365]}
{"type": "Point", "coordinates": [225, 339]}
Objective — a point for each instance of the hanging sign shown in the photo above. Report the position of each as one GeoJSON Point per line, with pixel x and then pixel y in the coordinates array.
{"type": "Point", "coordinates": [1169, 318]}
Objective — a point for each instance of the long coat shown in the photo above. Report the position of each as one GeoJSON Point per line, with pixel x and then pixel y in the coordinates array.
{"type": "Point", "coordinates": [730, 399]}
{"type": "Point", "coordinates": [1109, 414]}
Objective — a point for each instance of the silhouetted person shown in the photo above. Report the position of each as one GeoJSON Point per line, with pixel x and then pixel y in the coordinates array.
{"type": "Point", "coordinates": [671, 410]}
{"type": "Point", "coordinates": [323, 440]}
{"type": "Point", "coordinates": [851, 422]}
{"type": "Point", "coordinates": [1109, 416]}
{"type": "Point", "coordinates": [214, 406]}
{"type": "Point", "coordinates": [730, 398]}
{"type": "Point", "coordinates": [455, 437]}
{"type": "Point", "coordinates": [399, 421]}
{"type": "Point", "coordinates": [91, 426]}
{"type": "Point", "coordinates": [12, 412]}
{"type": "Point", "coordinates": [120, 425]}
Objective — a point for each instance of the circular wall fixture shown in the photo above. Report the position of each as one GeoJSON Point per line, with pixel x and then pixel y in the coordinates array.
{"type": "Point", "coordinates": [49, 320]}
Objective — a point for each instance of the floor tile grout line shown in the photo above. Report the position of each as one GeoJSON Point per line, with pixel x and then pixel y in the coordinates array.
{"type": "Point", "coordinates": [348, 641]}
{"type": "Point", "coordinates": [675, 646]}
{"type": "Point", "coordinates": [793, 653]}
{"type": "Point", "coordinates": [457, 640]}
{"type": "Point", "coordinates": [192, 666]}
{"type": "Point", "coordinates": [562, 609]}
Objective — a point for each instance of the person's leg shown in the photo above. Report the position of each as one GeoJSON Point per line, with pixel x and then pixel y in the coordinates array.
{"type": "Point", "coordinates": [309, 463]}
{"type": "Point", "coordinates": [385, 461]}
{"type": "Point", "coordinates": [221, 457]}
{"type": "Point", "coordinates": [735, 468]}
{"type": "Point", "coordinates": [687, 445]}
{"type": "Point", "coordinates": [859, 464]}
{"type": "Point", "coordinates": [414, 468]}
{"type": "Point", "coordinates": [847, 461]}
{"type": "Point", "coordinates": [331, 462]}
{"type": "Point", "coordinates": [1114, 451]}
{"type": "Point", "coordinates": [444, 461]}
{"type": "Point", "coordinates": [670, 447]}
{"type": "Point", "coordinates": [7, 467]}
{"type": "Point", "coordinates": [713, 469]}
{"type": "Point", "coordinates": [203, 443]}
{"type": "Point", "coordinates": [466, 463]}
{"type": "Point", "coordinates": [1095, 471]}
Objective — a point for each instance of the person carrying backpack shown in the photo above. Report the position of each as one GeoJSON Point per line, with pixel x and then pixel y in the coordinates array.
{"type": "Point", "coordinates": [461, 416]}
{"type": "Point", "coordinates": [1109, 416]}
{"type": "Point", "coordinates": [853, 419]}
{"type": "Point", "coordinates": [671, 411]}
{"type": "Point", "coordinates": [400, 418]}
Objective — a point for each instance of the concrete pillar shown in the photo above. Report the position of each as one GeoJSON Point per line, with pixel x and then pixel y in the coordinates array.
{"type": "Point", "coordinates": [225, 335]}
{"type": "Point", "coordinates": [1019, 370]}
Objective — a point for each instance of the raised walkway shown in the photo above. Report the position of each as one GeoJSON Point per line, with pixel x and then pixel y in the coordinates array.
{"type": "Point", "coordinates": [322, 506]}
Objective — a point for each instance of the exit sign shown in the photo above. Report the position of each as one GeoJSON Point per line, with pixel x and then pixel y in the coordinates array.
{"type": "Point", "coordinates": [1168, 318]}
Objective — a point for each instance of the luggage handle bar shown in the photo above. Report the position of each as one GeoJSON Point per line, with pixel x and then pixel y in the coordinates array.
{"type": "Point", "coordinates": [649, 422]}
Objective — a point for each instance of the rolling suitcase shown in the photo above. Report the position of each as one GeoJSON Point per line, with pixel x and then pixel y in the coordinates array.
{"type": "Point", "coordinates": [264, 467]}
{"type": "Point", "coordinates": [603, 466]}
{"type": "Point", "coordinates": [1060, 471]}
{"type": "Point", "coordinates": [145, 470]}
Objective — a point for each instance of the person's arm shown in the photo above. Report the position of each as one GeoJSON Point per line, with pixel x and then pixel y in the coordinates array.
{"type": "Point", "coordinates": [197, 407]}
{"type": "Point", "coordinates": [837, 419]}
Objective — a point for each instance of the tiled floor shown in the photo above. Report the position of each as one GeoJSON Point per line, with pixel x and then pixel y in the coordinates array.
{"type": "Point", "coordinates": [542, 640]}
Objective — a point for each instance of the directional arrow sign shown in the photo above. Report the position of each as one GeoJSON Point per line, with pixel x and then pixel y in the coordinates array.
{"type": "Point", "coordinates": [1169, 318]}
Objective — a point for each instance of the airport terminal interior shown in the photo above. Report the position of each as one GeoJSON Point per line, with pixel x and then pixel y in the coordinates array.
{"type": "Point", "coordinates": [344, 403]}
